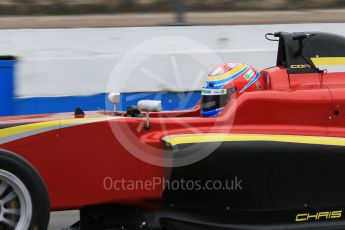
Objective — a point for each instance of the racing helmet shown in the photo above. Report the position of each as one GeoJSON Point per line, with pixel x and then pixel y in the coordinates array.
{"type": "Point", "coordinates": [225, 81]}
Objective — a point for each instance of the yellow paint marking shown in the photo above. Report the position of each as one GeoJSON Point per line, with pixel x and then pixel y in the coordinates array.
{"type": "Point", "coordinates": [27, 128]}
{"type": "Point", "coordinates": [206, 138]}
{"type": "Point", "coordinates": [328, 61]}
{"type": "Point", "coordinates": [17, 130]}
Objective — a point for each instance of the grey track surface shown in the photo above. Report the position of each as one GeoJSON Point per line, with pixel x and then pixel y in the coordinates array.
{"type": "Point", "coordinates": [59, 220]}
{"type": "Point", "coordinates": [194, 18]}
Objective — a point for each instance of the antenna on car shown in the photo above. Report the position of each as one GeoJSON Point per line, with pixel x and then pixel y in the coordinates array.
{"type": "Point", "coordinates": [276, 35]}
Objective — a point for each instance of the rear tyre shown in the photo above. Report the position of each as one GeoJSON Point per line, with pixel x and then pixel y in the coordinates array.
{"type": "Point", "coordinates": [24, 201]}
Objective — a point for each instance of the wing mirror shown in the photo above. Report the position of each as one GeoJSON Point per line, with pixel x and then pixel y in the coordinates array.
{"type": "Point", "coordinates": [114, 98]}
{"type": "Point", "coordinates": [149, 106]}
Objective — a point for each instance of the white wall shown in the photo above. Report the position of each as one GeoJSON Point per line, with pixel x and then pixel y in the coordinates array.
{"type": "Point", "coordinates": [55, 62]}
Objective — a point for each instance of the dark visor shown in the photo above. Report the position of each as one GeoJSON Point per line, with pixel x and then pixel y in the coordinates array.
{"type": "Point", "coordinates": [212, 102]}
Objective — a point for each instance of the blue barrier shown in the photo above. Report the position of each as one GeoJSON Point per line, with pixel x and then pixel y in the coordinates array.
{"type": "Point", "coordinates": [7, 64]}
{"type": "Point", "coordinates": [38, 105]}
{"type": "Point", "coordinates": [9, 105]}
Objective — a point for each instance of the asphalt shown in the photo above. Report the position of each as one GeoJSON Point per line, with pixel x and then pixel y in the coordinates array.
{"type": "Point", "coordinates": [158, 19]}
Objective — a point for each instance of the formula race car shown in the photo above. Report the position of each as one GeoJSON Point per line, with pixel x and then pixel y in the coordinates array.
{"type": "Point", "coordinates": [262, 150]}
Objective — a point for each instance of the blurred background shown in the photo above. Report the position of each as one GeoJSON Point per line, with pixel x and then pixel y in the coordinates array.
{"type": "Point", "coordinates": [64, 7]}
{"type": "Point", "coordinates": [58, 55]}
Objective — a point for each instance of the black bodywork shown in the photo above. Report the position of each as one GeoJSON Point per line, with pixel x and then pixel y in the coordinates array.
{"type": "Point", "coordinates": [280, 184]}
{"type": "Point", "coordinates": [297, 49]}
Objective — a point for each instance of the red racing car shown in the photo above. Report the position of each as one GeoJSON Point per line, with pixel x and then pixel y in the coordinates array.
{"type": "Point", "coordinates": [262, 150]}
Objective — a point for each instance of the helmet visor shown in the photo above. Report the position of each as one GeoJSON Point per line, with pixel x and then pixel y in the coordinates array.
{"type": "Point", "coordinates": [212, 99]}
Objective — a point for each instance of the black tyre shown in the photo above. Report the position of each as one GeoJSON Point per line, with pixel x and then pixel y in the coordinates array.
{"type": "Point", "coordinates": [24, 200]}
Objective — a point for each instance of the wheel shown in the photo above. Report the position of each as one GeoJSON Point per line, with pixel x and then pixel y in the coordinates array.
{"type": "Point", "coordinates": [24, 200]}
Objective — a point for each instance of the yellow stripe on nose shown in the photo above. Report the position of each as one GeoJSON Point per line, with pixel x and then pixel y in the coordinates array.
{"type": "Point", "coordinates": [21, 131]}
{"type": "Point", "coordinates": [28, 128]}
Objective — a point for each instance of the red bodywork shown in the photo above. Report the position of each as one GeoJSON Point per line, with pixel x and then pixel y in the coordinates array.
{"type": "Point", "coordinates": [74, 161]}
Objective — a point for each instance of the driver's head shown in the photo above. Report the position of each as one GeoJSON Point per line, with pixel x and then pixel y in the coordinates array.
{"type": "Point", "coordinates": [223, 82]}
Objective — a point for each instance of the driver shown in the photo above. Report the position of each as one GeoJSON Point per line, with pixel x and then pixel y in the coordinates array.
{"type": "Point", "coordinates": [223, 82]}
